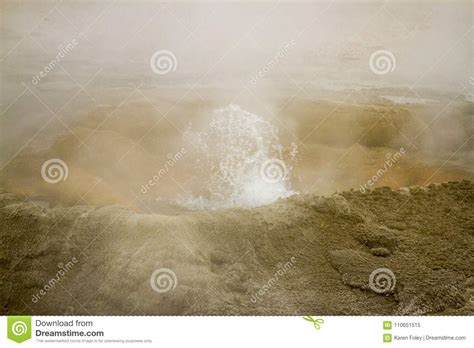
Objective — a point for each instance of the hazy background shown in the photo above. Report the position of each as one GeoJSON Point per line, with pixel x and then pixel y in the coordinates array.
{"type": "Point", "coordinates": [115, 122]}
{"type": "Point", "coordinates": [231, 41]}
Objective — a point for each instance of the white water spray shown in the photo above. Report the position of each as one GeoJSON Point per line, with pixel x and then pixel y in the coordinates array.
{"type": "Point", "coordinates": [240, 160]}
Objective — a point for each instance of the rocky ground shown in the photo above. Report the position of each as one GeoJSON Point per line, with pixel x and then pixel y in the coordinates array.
{"type": "Point", "coordinates": [382, 252]}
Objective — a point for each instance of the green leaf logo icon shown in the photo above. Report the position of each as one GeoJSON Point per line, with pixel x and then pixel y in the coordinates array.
{"type": "Point", "coordinates": [19, 328]}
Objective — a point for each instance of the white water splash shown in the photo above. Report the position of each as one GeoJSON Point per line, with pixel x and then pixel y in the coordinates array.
{"type": "Point", "coordinates": [233, 155]}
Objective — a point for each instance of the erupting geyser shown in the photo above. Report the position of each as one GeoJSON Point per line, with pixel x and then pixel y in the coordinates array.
{"type": "Point", "coordinates": [241, 159]}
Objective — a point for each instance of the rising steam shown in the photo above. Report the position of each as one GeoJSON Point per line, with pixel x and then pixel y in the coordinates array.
{"type": "Point", "coordinates": [240, 160]}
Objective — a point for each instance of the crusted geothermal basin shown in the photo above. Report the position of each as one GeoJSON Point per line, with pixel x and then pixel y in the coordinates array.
{"type": "Point", "coordinates": [298, 255]}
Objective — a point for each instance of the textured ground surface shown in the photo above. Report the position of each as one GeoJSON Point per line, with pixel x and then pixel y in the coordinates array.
{"type": "Point", "coordinates": [302, 255]}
